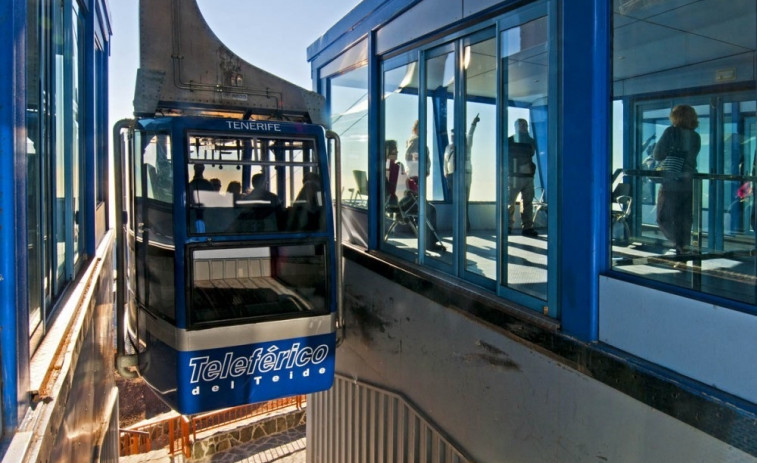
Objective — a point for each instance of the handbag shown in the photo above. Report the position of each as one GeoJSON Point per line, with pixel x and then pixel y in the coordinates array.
{"type": "Point", "coordinates": [672, 165]}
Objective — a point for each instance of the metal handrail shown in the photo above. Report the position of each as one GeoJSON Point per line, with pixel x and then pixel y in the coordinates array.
{"type": "Point", "coordinates": [694, 175]}
{"type": "Point", "coordinates": [413, 438]}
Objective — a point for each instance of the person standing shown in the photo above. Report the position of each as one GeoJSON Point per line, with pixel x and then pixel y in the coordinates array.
{"type": "Point", "coordinates": [449, 166]}
{"type": "Point", "coordinates": [412, 157]}
{"type": "Point", "coordinates": [676, 194]}
{"type": "Point", "coordinates": [521, 170]}
{"type": "Point", "coordinates": [198, 183]}
{"type": "Point", "coordinates": [449, 158]}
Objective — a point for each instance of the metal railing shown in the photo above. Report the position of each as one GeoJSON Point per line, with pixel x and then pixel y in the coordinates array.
{"type": "Point", "coordinates": [179, 432]}
{"type": "Point", "coordinates": [359, 422]}
{"type": "Point", "coordinates": [133, 442]}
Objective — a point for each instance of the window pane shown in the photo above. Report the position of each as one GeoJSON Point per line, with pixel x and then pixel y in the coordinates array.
{"type": "Point", "coordinates": [480, 68]}
{"type": "Point", "coordinates": [693, 226]}
{"type": "Point", "coordinates": [401, 158]}
{"type": "Point", "coordinates": [258, 282]}
{"type": "Point", "coordinates": [34, 187]}
{"type": "Point", "coordinates": [446, 181]}
{"type": "Point", "coordinates": [253, 185]}
{"type": "Point", "coordinates": [61, 170]}
{"type": "Point", "coordinates": [153, 222]}
{"type": "Point", "coordinates": [349, 119]}
{"type": "Point", "coordinates": [525, 62]}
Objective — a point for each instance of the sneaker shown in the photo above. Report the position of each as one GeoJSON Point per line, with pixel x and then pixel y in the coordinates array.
{"type": "Point", "coordinates": [529, 232]}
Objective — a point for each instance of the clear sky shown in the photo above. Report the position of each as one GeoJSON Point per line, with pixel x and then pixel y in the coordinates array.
{"type": "Point", "coordinates": [270, 34]}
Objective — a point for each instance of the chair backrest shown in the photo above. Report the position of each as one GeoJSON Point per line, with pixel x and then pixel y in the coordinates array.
{"type": "Point", "coordinates": [392, 178]}
{"type": "Point", "coordinates": [361, 178]}
{"type": "Point", "coordinates": [621, 198]}
{"type": "Point", "coordinates": [621, 189]}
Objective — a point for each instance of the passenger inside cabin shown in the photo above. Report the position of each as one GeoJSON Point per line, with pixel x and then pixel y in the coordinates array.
{"type": "Point", "coordinates": [307, 210]}
{"type": "Point", "coordinates": [260, 194]}
{"type": "Point", "coordinates": [198, 183]}
{"type": "Point", "coordinates": [235, 189]}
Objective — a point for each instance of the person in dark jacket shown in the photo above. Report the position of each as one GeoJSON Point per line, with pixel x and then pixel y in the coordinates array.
{"type": "Point", "coordinates": [521, 170]}
{"type": "Point", "coordinates": [675, 197]}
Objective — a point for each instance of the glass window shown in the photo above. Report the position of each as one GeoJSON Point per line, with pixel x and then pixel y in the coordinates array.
{"type": "Point", "coordinates": [480, 163]}
{"type": "Point", "coordinates": [466, 170]}
{"type": "Point", "coordinates": [683, 145]}
{"type": "Point", "coordinates": [153, 245]}
{"type": "Point", "coordinates": [401, 145]}
{"type": "Point", "coordinates": [61, 168]}
{"type": "Point", "coordinates": [446, 179]}
{"type": "Point", "coordinates": [35, 191]}
{"type": "Point", "coordinates": [349, 119]}
{"type": "Point", "coordinates": [253, 185]}
{"type": "Point", "coordinates": [525, 64]}
{"type": "Point", "coordinates": [57, 90]}
{"type": "Point", "coordinates": [257, 282]}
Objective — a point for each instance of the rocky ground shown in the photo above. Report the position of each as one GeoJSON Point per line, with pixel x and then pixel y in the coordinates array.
{"type": "Point", "coordinates": [137, 402]}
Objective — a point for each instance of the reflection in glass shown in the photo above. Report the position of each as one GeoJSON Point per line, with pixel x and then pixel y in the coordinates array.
{"type": "Point", "coordinates": [525, 59]}
{"type": "Point", "coordinates": [349, 119]}
{"type": "Point", "coordinates": [713, 74]}
{"type": "Point", "coordinates": [439, 196]}
{"type": "Point", "coordinates": [480, 71]}
{"type": "Point", "coordinates": [401, 157]}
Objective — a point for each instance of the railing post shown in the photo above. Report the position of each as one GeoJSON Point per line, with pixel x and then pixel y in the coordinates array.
{"type": "Point", "coordinates": [171, 444]}
{"type": "Point", "coordinates": [185, 424]}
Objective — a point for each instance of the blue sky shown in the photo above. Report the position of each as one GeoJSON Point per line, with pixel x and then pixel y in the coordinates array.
{"type": "Point", "coordinates": [272, 35]}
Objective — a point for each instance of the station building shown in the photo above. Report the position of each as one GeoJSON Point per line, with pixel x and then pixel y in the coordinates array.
{"type": "Point", "coordinates": [504, 306]}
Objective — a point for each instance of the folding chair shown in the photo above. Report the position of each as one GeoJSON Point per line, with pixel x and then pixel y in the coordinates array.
{"type": "Point", "coordinates": [408, 208]}
{"type": "Point", "coordinates": [361, 180]}
{"type": "Point", "coordinates": [621, 210]}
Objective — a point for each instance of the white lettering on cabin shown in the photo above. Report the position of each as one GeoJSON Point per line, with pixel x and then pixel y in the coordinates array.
{"type": "Point", "coordinates": [254, 126]}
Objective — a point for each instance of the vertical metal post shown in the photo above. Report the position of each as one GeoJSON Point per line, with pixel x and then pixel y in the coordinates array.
{"type": "Point", "coordinates": [330, 135]}
{"type": "Point", "coordinates": [118, 163]}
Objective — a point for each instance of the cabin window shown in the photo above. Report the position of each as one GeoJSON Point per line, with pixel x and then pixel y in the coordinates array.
{"type": "Point", "coordinates": [253, 185]}
{"type": "Point", "coordinates": [261, 282]}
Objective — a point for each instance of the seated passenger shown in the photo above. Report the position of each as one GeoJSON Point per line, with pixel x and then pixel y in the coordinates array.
{"type": "Point", "coordinates": [311, 193]}
{"type": "Point", "coordinates": [261, 209]}
{"type": "Point", "coordinates": [409, 207]}
{"type": "Point", "coordinates": [260, 195]}
{"type": "Point", "coordinates": [393, 171]}
{"type": "Point", "coordinates": [307, 210]}
{"type": "Point", "coordinates": [235, 189]}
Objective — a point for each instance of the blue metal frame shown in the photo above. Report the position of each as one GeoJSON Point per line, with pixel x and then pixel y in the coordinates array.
{"type": "Point", "coordinates": [14, 323]}
{"type": "Point", "coordinates": [584, 169]}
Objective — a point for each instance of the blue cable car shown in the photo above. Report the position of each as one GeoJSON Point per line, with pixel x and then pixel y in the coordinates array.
{"type": "Point", "coordinates": [230, 260]}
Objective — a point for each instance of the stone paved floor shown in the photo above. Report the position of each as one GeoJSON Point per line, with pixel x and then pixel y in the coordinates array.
{"type": "Point", "coordinates": [285, 447]}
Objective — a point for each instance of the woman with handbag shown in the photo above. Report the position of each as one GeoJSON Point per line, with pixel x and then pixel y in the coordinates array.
{"type": "Point", "coordinates": [676, 153]}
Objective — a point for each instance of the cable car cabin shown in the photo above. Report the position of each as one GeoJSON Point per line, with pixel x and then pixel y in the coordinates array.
{"type": "Point", "coordinates": [231, 260]}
